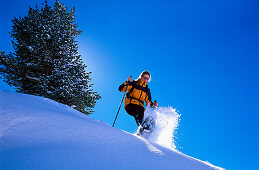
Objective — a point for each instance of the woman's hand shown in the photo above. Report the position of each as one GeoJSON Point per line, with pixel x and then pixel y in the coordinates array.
{"type": "Point", "coordinates": [155, 104]}
{"type": "Point", "coordinates": [129, 79]}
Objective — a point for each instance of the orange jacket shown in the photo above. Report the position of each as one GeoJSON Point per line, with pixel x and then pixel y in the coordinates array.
{"type": "Point", "coordinates": [138, 94]}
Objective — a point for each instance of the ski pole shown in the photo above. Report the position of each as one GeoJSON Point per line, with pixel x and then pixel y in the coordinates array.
{"type": "Point", "coordinates": [120, 105]}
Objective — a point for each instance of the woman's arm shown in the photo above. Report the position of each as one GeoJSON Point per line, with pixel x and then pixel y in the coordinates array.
{"type": "Point", "coordinates": [123, 87]}
{"type": "Point", "coordinates": [149, 100]}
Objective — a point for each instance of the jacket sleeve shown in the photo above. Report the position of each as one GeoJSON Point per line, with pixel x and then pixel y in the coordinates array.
{"type": "Point", "coordinates": [123, 87]}
{"type": "Point", "coordinates": [148, 98]}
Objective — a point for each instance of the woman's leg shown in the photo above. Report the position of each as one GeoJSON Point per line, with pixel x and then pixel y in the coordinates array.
{"type": "Point", "coordinates": [140, 115]}
{"type": "Point", "coordinates": [136, 111]}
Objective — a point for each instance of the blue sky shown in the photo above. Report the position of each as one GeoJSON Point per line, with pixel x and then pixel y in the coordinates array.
{"type": "Point", "coordinates": [203, 57]}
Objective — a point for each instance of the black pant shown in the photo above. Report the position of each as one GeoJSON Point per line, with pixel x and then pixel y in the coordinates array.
{"type": "Point", "coordinates": [136, 111]}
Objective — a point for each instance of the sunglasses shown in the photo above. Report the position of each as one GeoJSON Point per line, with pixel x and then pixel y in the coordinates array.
{"type": "Point", "coordinates": [146, 78]}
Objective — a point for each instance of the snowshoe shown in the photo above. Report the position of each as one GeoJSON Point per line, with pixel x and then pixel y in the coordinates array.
{"type": "Point", "coordinates": [147, 127]}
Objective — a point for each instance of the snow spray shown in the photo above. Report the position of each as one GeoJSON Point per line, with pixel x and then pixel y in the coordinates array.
{"type": "Point", "coordinates": [167, 121]}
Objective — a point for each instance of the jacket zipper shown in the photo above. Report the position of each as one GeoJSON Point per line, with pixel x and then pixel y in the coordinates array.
{"type": "Point", "coordinates": [140, 93]}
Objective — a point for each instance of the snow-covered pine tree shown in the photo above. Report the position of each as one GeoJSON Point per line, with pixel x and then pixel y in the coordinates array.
{"type": "Point", "coordinates": [46, 60]}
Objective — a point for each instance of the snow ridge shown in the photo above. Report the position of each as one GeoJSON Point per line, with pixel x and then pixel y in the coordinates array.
{"type": "Point", "coordinates": [38, 133]}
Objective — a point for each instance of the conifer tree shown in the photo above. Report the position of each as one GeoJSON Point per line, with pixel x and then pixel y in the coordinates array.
{"type": "Point", "coordinates": [45, 61]}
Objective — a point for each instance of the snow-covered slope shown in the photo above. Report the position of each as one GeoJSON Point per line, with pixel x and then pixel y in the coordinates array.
{"type": "Point", "coordinates": [38, 133]}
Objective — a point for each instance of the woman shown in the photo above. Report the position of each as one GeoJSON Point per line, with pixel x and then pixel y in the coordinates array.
{"type": "Point", "coordinates": [138, 92]}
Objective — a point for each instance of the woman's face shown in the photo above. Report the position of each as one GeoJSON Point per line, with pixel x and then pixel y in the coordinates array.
{"type": "Point", "coordinates": [145, 77]}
